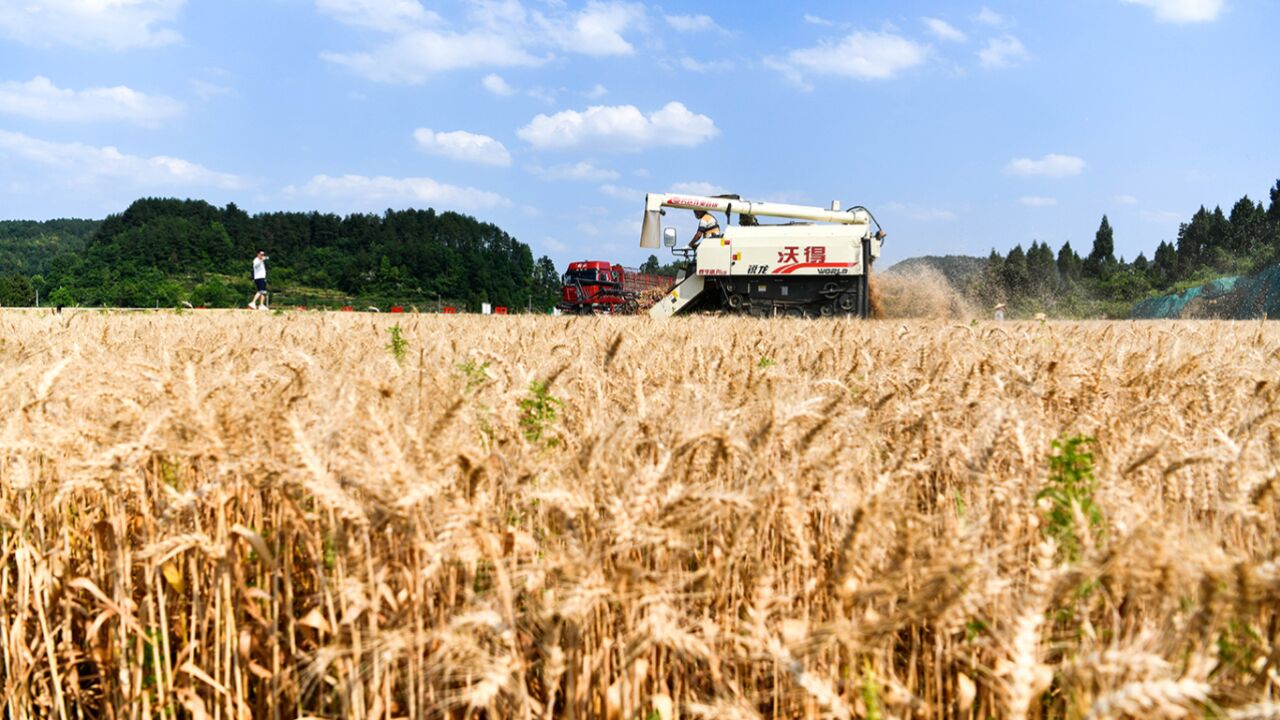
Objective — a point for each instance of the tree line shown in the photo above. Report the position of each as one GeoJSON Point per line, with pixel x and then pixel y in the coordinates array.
{"type": "Point", "coordinates": [1211, 244]}
{"type": "Point", "coordinates": [167, 251]}
{"type": "Point", "coordinates": [26, 249]}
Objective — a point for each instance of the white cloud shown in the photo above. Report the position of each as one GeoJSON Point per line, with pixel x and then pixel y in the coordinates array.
{"type": "Point", "coordinates": [577, 171]}
{"type": "Point", "coordinates": [496, 85]}
{"type": "Point", "coordinates": [413, 57]}
{"type": "Point", "coordinates": [696, 188]}
{"type": "Point", "coordinates": [80, 164]}
{"type": "Point", "coordinates": [107, 24]}
{"type": "Point", "coordinates": [597, 30]}
{"type": "Point", "coordinates": [1051, 165]}
{"type": "Point", "coordinates": [607, 227]}
{"type": "Point", "coordinates": [596, 92]}
{"type": "Point", "coordinates": [921, 213]}
{"type": "Point", "coordinates": [693, 23]}
{"type": "Point", "coordinates": [816, 20]}
{"type": "Point", "coordinates": [464, 146]}
{"type": "Point", "coordinates": [1002, 52]}
{"type": "Point", "coordinates": [358, 191]}
{"type": "Point", "coordinates": [621, 193]}
{"type": "Point", "coordinates": [546, 96]}
{"type": "Point", "coordinates": [384, 15]}
{"type": "Point", "coordinates": [40, 99]}
{"type": "Point", "coordinates": [861, 55]}
{"type": "Point", "coordinates": [497, 33]}
{"type": "Point", "coordinates": [698, 66]}
{"type": "Point", "coordinates": [1125, 200]}
{"type": "Point", "coordinates": [987, 16]}
{"type": "Point", "coordinates": [619, 128]}
{"type": "Point", "coordinates": [1038, 201]}
{"type": "Point", "coordinates": [206, 90]}
{"type": "Point", "coordinates": [944, 30]}
{"type": "Point", "coordinates": [1183, 11]}
{"type": "Point", "coordinates": [1166, 217]}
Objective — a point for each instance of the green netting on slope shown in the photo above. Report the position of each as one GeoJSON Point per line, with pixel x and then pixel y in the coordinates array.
{"type": "Point", "coordinates": [1166, 306]}
{"type": "Point", "coordinates": [1219, 286]}
{"type": "Point", "coordinates": [1258, 296]}
{"type": "Point", "coordinates": [1230, 298]}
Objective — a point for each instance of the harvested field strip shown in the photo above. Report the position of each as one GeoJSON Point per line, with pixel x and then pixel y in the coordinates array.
{"type": "Point", "coordinates": [236, 515]}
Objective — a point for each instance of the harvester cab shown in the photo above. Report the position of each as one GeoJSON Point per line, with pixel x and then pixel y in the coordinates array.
{"type": "Point", "coordinates": [817, 265]}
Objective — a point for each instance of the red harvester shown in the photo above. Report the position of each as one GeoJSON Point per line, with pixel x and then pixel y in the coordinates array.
{"type": "Point", "coordinates": [595, 286]}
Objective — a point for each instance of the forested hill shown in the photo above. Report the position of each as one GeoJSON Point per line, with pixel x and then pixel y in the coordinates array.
{"type": "Point", "coordinates": [166, 251]}
{"type": "Point", "coordinates": [957, 269]}
{"type": "Point", "coordinates": [27, 246]}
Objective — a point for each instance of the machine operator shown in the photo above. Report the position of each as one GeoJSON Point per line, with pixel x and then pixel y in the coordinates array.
{"type": "Point", "coordinates": [708, 228]}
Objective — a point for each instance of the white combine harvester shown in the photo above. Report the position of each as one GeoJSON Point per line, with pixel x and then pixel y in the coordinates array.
{"type": "Point", "coordinates": [817, 265]}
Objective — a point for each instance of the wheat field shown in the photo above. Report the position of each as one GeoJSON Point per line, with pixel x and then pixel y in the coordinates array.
{"type": "Point", "coordinates": [240, 515]}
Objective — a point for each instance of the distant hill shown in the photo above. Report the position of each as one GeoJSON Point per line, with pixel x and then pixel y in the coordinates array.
{"type": "Point", "coordinates": [957, 269]}
{"type": "Point", "coordinates": [27, 246]}
{"type": "Point", "coordinates": [165, 251]}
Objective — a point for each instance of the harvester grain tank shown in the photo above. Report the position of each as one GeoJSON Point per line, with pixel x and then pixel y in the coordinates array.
{"type": "Point", "coordinates": [819, 264]}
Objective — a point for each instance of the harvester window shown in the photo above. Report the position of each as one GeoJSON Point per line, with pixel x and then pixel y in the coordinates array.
{"type": "Point", "coordinates": [586, 276]}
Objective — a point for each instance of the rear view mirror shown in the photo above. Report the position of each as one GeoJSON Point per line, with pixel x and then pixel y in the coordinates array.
{"type": "Point", "coordinates": [669, 237]}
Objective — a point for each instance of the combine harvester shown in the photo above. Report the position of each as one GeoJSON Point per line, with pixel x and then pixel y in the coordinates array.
{"type": "Point", "coordinates": [593, 287]}
{"type": "Point", "coordinates": [818, 265]}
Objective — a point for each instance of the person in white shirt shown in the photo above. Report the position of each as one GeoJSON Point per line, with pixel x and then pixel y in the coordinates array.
{"type": "Point", "coordinates": [260, 279]}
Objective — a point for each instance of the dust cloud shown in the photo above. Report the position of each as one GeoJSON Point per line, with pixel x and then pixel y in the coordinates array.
{"type": "Point", "coordinates": [918, 293]}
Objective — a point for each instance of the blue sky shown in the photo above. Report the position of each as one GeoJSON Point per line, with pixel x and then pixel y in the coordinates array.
{"type": "Point", "coordinates": [962, 126]}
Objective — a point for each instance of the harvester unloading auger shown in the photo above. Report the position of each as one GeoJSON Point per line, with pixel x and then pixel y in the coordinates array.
{"type": "Point", "coordinates": [818, 266]}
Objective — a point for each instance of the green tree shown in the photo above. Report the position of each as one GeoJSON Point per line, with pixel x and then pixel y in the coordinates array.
{"type": "Point", "coordinates": [1193, 243]}
{"type": "Point", "coordinates": [1271, 243]}
{"type": "Point", "coordinates": [1042, 269]}
{"type": "Point", "coordinates": [546, 284]}
{"type": "Point", "coordinates": [989, 286]}
{"type": "Point", "coordinates": [1164, 264]}
{"type": "Point", "coordinates": [1125, 284]}
{"type": "Point", "coordinates": [1102, 259]}
{"type": "Point", "coordinates": [1247, 231]}
{"type": "Point", "coordinates": [1014, 273]}
{"type": "Point", "coordinates": [16, 291]}
{"type": "Point", "coordinates": [215, 294]}
{"type": "Point", "coordinates": [61, 297]}
{"type": "Point", "coordinates": [1069, 264]}
{"type": "Point", "coordinates": [1218, 248]}
{"type": "Point", "coordinates": [1203, 243]}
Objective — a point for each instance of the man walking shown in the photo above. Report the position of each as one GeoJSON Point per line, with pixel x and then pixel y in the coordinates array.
{"type": "Point", "coordinates": [260, 279]}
